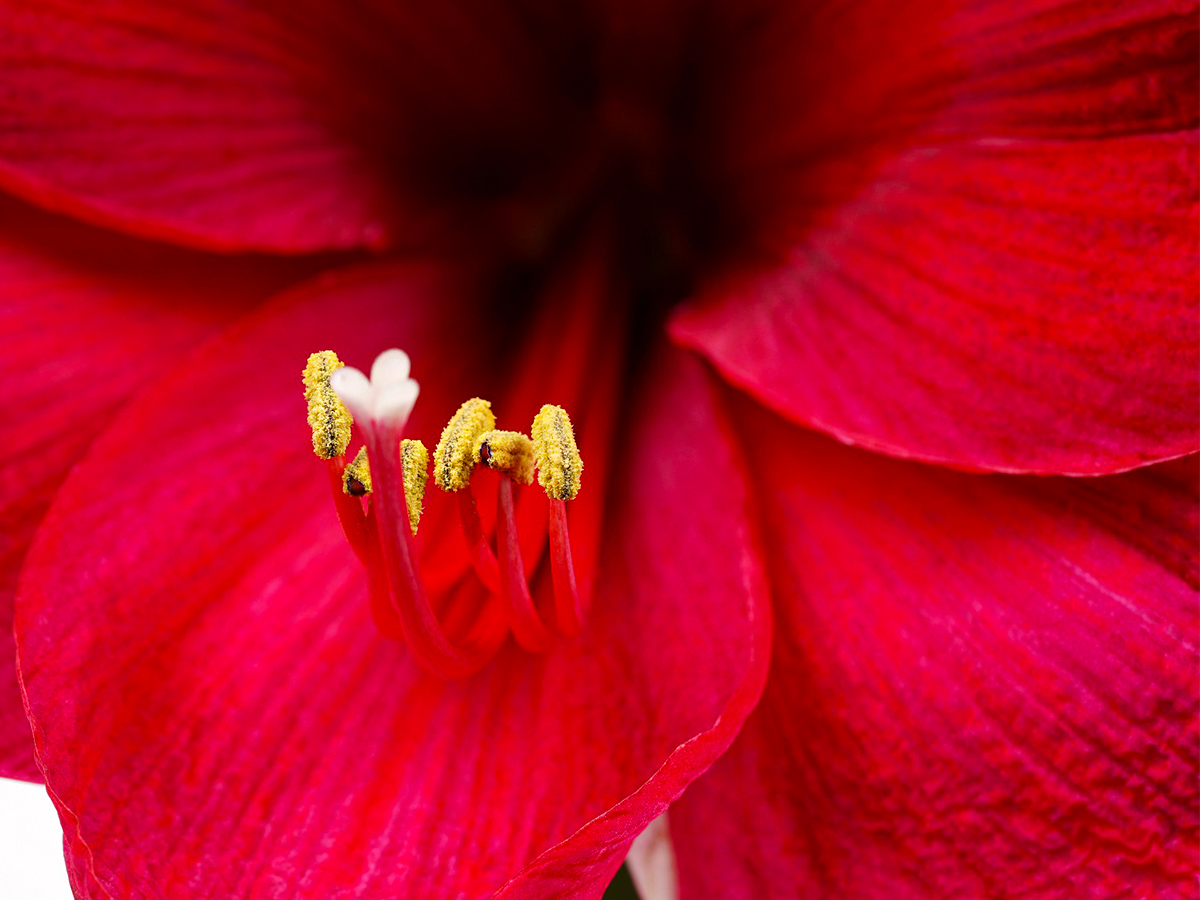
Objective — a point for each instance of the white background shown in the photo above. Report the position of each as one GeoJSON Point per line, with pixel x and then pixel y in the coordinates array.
{"type": "Point", "coordinates": [31, 854]}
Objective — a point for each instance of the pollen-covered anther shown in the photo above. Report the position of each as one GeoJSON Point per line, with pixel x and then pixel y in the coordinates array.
{"type": "Point", "coordinates": [356, 478]}
{"type": "Point", "coordinates": [414, 462]}
{"type": "Point", "coordinates": [509, 452]}
{"type": "Point", "coordinates": [327, 417]}
{"type": "Point", "coordinates": [555, 453]}
{"type": "Point", "coordinates": [454, 458]}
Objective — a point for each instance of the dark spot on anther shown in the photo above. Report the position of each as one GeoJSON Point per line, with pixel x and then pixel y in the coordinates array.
{"type": "Point", "coordinates": [355, 488]}
{"type": "Point", "coordinates": [485, 453]}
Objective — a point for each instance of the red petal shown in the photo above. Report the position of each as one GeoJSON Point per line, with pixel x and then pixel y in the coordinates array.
{"type": "Point", "coordinates": [786, 85]}
{"type": "Point", "coordinates": [1007, 307]}
{"type": "Point", "coordinates": [981, 685]}
{"type": "Point", "coordinates": [987, 225]}
{"type": "Point", "coordinates": [270, 126]}
{"type": "Point", "coordinates": [86, 319]}
{"type": "Point", "coordinates": [216, 713]}
{"type": "Point", "coordinates": [1038, 69]}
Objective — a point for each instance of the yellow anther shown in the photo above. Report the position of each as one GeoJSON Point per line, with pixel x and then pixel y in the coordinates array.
{"type": "Point", "coordinates": [509, 452]}
{"type": "Point", "coordinates": [329, 419]}
{"type": "Point", "coordinates": [555, 454]}
{"type": "Point", "coordinates": [454, 458]}
{"type": "Point", "coordinates": [356, 479]}
{"type": "Point", "coordinates": [414, 462]}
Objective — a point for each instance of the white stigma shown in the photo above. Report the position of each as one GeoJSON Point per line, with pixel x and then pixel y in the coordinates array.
{"type": "Point", "coordinates": [387, 397]}
{"type": "Point", "coordinates": [390, 367]}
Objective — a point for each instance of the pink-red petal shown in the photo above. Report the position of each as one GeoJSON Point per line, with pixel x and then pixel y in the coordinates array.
{"type": "Point", "coordinates": [217, 716]}
{"type": "Point", "coordinates": [982, 686]}
{"type": "Point", "coordinates": [86, 320]}
{"type": "Point", "coordinates": [274, 126]}
{"type": "Point", "coordinates": [981, 240]}
{"type": "Point", "coordinates": [1012, 307]}
{"type": "Point", "coordinates": [1042, 69]}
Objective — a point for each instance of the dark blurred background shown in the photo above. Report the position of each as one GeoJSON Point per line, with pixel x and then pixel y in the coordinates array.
{"type": "Point", "coordinates": [621, 887]}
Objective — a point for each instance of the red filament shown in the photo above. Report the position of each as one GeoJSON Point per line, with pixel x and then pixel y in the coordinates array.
{"type": "Point", "coordinates": [464, 640]}
{"type": "Point", "coordinates": [526, 624]}
{"type": "Point", "coordinates": [482, 558]}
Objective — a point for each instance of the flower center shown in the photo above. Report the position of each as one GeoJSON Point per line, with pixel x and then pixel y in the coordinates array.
{"type": "Point", "coordinates": [379, 498]}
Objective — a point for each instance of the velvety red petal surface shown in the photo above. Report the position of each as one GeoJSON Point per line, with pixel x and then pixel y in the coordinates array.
{"type": "Point", "coordinates": [217, 716]}
{"type": "Point", "coordinates": [981, 686]}
{"type": "Point", "coordinates": [86, 320]}
{"type": "Point", "coordinates": [269, 125]}
{"type": "Point", "coordinates": [989, 259]}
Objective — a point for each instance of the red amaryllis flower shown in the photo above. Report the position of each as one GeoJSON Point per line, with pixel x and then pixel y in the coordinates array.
{"type": "Point", "coordinates": [717, 234]}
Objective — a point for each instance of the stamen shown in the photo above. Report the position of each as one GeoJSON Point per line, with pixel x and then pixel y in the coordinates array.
{"type": "Point", "coordinates": [356, 480]}
{"type": "Point", "coordinates": [422, 631]}
{"type": "Point", "coordinates": [559, 467]}
{"type": "Point", "coordinates": [509, 452]}
{"type": "Point", "coordinates": [555, 453]}
{"type": "Point", "coordinates": [453, 462]}
{"type": "Point", "coordinates": [327, 416]}
{"type": "Point", "coordinates": [349, 509]}
{"type": "Point", "coordinates": [414, 461]}
{"type": "Point", "coordinates": [454, 458]}
{"type": "Point", "coordinates": [381, 410]}
{"type": "Point", "coordinates": [483, 560]}
{"type": "Point", "coordinates": [568, 611]}
{"type": "Point", "coordinates": [330, 423]}
{"type": "Point", "coordinates": [527, 625]}
{"type": "Point", "coordinates": [392, 472]}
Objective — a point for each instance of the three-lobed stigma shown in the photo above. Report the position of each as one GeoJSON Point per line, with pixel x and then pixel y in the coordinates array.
{"type": "Point", "coordinates": [382, 490]}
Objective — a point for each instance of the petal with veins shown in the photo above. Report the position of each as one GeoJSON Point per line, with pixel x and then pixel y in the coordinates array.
{"type": "Point", "coordinates": [87, 320]}
{"type": "Point", "coordinates": [282, 126]}
{"type": "Point", "coordinates": [980, 685]}
{"type": "Point", "coordinates": [980, 235]}
{"type": "Point", "coordinates": [266, 729]}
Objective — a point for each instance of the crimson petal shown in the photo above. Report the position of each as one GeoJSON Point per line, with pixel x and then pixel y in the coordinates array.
{"type": "Point", "coordinates": [86, 320]}
{"type": "Point", "coordinates": [274, 126]}
{"type": "Point", "coordinates": [999, 273]}
{"type": "Point", "coordinates": [216, 715]}
{"type": "Point", "coordinates": [981, 685]}
{"type": "Point", "coordinates": [1008, 308]}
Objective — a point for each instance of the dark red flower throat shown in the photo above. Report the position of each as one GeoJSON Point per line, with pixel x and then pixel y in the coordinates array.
{"type": "Point", "coordinates": [583, 208]}
{"type": "Point", "coordinates": [539, 124]}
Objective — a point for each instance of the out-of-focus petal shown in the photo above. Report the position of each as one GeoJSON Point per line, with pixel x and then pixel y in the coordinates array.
{"type": "Point", "coordinates": [1049, 69]}
{"type": "Point", "coordinates": [651, 862]}
{"type": "Point", "coordinates": [981, 686]}
{"type": "Point", "coordinates": [217, 715]}
{"type": "Point", "coordinates": [86, 319]}
{"type": "Point", "coordinates": [987, 260]}
{"type": "Point", "coordinates": [274, 126]}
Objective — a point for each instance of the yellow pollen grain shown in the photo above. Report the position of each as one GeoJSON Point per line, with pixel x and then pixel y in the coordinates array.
{"type": "Point", "coordinates": [414, 464]}
{"type": "Point", "coordinates": [555, 453]}
{"type": "Point", "coordinates": [356, 479]}
{"type": "Point", "coordinates": [454, 457]}
{"type": "Point", "coordinates": [509, 452]}
{"type": "Point", "coordinates": [329, 420]}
